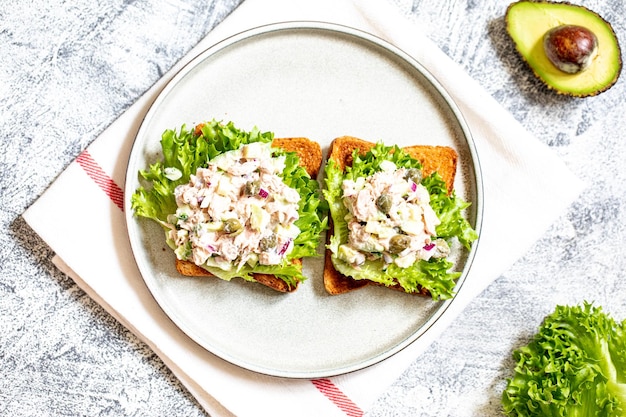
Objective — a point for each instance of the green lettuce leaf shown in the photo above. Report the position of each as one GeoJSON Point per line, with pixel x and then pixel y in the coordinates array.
{"type": "Point", "coordinates": [187, 150]}
{"type": "Point", "coordinates": [286, 271]}
{"type": "Point", "coordinates": [449, 209]}
{"type": "Point", "coordinates": [435, 274]}
{"type": "Point", "coordinates": [574, 366]}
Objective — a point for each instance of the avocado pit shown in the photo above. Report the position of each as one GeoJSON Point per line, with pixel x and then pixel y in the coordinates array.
{"type": "Point", "coordinates": [570, 48]}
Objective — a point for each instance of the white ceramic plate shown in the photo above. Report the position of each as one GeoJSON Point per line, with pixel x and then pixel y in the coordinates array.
{"type": "Point", "coordinates": [320, 81]}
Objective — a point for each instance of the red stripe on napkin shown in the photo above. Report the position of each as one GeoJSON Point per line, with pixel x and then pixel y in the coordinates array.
{"type": "Point", "coordinates": [104, 181]}
{"type": "Point", "coordinates": [334, 394]}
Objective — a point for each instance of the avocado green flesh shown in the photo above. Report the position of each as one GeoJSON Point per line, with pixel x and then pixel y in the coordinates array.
{"type": "Point", "coordinates": [528, 22]}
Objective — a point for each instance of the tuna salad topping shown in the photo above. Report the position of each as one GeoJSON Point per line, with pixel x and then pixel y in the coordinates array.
{"type": "Point", "coordinates": [237, 211]}
{"type": "Point", "coordinates": [390, 218]}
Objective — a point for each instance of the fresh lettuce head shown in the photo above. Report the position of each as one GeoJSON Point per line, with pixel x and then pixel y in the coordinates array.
{"type": "Point", "coordinates": [435, 275]}
{"type": "Point", "coordinates": [574, 366]}
{"type": "Point", "coordinates": [185, 150]}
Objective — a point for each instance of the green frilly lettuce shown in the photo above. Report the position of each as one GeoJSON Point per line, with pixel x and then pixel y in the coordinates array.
{"type": "Point", "coordinates": [435, 275]}
{"type": "Point", "coordinates": [187, 150]}
{"type": "Point", "coordinates": [574, 366]}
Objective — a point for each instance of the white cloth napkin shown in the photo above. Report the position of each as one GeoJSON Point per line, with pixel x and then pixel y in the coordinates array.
{"type": "Point", "coordinates": [526, 188]}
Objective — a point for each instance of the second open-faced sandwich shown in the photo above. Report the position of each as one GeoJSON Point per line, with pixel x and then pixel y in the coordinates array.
{"type": "Point", "coordinates": [394, 216]}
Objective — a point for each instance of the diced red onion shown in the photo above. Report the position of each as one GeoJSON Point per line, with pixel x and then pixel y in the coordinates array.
{"type": "Point", "coordinates": [430, 246]}
{"type": "Point", "coordinates": [284, 248]}
{"type": "Point", "coordinates": [413, 186]}
{"type": "Point", "coordinates": [263, 193]}
{"type": "Point", "coordinates": [211, 248]}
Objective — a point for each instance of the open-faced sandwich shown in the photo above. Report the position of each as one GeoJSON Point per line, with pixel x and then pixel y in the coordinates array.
{"type": "Point", "coordinates": [394, 215]}
{"type": "Point", "coordinates": [236, 203]}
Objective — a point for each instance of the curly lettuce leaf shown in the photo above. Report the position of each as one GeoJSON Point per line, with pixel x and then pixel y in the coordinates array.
{"type": "Point", "coordinates": [574, 366]}
{"type": "Point", "coordinates": [288, 272]}
{"type": "Point", "coordinates": [435, 274]}
{"type": "Point", "coordinates": [311, 222]}
{"type": "Point", "coordinates": [369, 164]}
{"type": "Point", "coordinates": [187, 150]}
{"type": "Point", "coordinates": [449, 209]}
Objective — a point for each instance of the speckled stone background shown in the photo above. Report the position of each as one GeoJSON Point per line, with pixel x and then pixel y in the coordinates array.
{"type": "Point", "coordinates": [70, 68]}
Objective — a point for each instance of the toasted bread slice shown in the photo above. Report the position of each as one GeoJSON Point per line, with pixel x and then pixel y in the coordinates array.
{"type": "Point", "coordinates": [310, 154]}
{"type": "Point", "coordinates": [441, 159]}
{"type": "Point", "coordinates": [190, 269]}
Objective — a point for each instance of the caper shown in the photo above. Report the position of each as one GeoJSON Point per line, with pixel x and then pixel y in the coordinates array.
{"type": "Point", "coordinates": [414, 174]}
{"type": "Point", "coordinates": [383, 202]}
{"type": "Point", "coordinates": [252, 188]}
{"type": "Point", "coordinates": [398, 243]}
{"type": "Point", "coordinates": [231, 226]}
{"type": "Point", "coordinates": [267, 243]}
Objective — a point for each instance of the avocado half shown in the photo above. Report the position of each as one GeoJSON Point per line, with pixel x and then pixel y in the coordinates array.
{"type": "Point", "coordinates": [528, 21]}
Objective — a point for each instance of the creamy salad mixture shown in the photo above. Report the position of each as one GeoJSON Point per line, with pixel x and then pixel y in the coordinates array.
{"type": "Point", "coordinates": [236, 211]}
{"type": "Point", "coordinates": [389, 217]}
